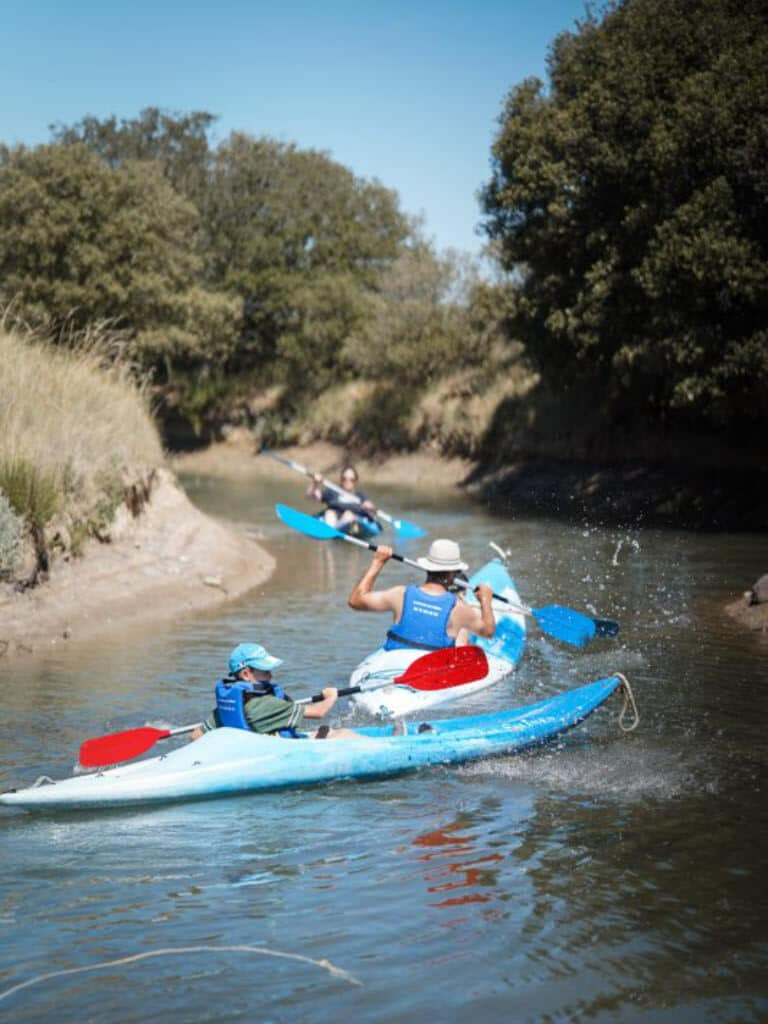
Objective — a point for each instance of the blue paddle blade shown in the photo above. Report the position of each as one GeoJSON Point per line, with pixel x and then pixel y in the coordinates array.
{"type": "Point", "coordinates": [407, 530]}
{"type": "Point", "coordinates": [565, 624]}
{"type": "Point", "coordinates": [300, 521]}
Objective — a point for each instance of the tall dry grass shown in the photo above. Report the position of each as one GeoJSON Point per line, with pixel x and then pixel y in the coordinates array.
{"type": "Point", "coordinates": [74, 424]}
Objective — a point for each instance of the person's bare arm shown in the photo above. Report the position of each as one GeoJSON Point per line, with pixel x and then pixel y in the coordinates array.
{"type": "Point", "coordinates": [363, 597]}
{"type": "Point", "coordinates": [480, 621]}
{"type": "Point", "coordinates": [322, 707]}
{"type": "Point", "coordinates": [315, 489]}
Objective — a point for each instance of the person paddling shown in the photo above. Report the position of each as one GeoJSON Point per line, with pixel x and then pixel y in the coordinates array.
{"type": "Point", "coordinates": [343, 504]}
{"type": "Point", "coordinates": [430, 616]}
{"type": "Point", "coordinates": [248, 699]}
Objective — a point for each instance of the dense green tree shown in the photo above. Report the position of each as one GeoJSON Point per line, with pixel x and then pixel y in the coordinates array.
{"type": "Point", "coordinates": [81, 242]}
{"type": "Point", "coordinates": [177, 143]}
{"type": "Point", "coordinates": [302, 242]}
{"type": "Point", "coordinates": [418, 327]}
{"type": "Point", "coordinates": [632, 201]}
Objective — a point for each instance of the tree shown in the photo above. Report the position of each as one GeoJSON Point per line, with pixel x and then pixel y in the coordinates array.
{"type": "Point", "coordinates": [301, 241]}
{"type": "Point", "coordinates": [418, 329]}
{"type": "Point", "coordinates": [633, 201]}
{"type": "Point", "coordinates": [177, 143]}
{"type": "Point", "coordinates": [81, 242]}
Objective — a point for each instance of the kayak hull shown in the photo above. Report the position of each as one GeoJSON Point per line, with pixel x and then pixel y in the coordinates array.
{"type": "Point", "coordinates": [503, 651]}
{"type": "Point", "coordinates": [228, 761]}
{"type": "Point", "coordinates": [362, 527]}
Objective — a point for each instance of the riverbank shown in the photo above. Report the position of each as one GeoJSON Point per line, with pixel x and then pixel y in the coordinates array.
{"type": "Point", "coordinates": [235, 459]}
{"type": "Point", "coordinates": [170, 560]}
{"type": "Point", "coordinates": [631, 494]}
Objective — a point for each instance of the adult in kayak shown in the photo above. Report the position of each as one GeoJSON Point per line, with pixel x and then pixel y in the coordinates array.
{"type": "Point", "coordinates": [430, 616]}
{"type": "Point", "coordinates": [345, 504]}
{"type": "Point", "coordinates": [248, 699]}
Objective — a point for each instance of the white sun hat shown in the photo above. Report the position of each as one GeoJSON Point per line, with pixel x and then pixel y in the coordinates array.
{"type": "Point", "coordinates": [444, 556]}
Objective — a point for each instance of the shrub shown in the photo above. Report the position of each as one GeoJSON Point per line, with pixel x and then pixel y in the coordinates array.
{"type": "Point", "coordinates": [11, 527]}
{"type": "Point", "coordinates": [34, 492]}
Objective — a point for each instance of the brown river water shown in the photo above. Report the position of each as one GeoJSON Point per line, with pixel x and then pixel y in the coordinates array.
{"type": "Point", "coordinates": [608, 877]}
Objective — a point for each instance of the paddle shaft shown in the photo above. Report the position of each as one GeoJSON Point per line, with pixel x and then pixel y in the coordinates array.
{"type": "Point", "coordinates": [603, 627]}
{"type": "Point", "coordinates": [293, 464]}
{"type": "Point", "coordinates": [399, 524]}
{"type": "Point", "coordinates": [563, 623]}
{"type": "Point", "coordinates": [437, 670]}
{"type": "Point", "coordinates": [123, 746]}
{"type": "Point", "coordinates": [409, 561]}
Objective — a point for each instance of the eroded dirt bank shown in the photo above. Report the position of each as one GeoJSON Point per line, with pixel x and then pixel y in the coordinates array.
{"type": "Point", "coordinates": [169, 560]}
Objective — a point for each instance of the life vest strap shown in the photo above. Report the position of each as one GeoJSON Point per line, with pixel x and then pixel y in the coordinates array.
{"type": "Point", "coordinates": [392, 635]}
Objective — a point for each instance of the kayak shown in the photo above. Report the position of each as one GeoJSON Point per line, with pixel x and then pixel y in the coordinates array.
{"type": "Point", "coordinates": [503, 651]}
{"type": "Point", "coordinates": [227, 761]}
{"type": "Point", "coordinates": [362, 526]}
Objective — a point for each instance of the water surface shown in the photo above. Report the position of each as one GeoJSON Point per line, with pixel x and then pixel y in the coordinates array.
{"type": "Point", "coordinates": [611, 877]}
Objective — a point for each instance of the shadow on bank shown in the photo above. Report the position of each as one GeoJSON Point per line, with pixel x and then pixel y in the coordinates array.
{"type": "Point", "coordinates": [560, 456]}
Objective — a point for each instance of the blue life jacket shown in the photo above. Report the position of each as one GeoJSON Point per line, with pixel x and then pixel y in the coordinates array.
{"type": "Point", "coordinates": [343, 501]}
{"type": "Point", "coordinates": [230, 702]}
{"type": "Point", "coordinates": [423, 621]}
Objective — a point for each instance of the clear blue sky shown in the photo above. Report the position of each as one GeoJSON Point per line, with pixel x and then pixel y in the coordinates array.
{"type": "Point", "coordinates": [406, 91]}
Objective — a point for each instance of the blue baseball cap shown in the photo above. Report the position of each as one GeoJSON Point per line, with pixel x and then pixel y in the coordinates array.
{"type": "Point", "coordinates": [252, 656]}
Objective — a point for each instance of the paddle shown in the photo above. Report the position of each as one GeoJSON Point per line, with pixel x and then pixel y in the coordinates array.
{"type": "Point", "coordinates": [564, 624]}
{"type": "Point", "coordinates": [401, 527]}
{"type": "Point", "coordinates": [438, 670]}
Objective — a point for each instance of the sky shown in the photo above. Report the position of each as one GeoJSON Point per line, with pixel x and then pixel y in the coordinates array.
{"type": "Point", "coordinates": [407, 92]}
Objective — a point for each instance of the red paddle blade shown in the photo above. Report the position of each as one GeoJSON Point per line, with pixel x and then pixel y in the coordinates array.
{"type": "Point", "coordinates": [450, 666]}
{"type": "Point", "coordinates": [119, 746]}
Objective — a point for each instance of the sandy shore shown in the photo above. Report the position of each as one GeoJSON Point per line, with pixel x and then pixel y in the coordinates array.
{"type": "Point", "coordinates": [172, 559]}
{"type": "Point", "coordinates": [235, 460]}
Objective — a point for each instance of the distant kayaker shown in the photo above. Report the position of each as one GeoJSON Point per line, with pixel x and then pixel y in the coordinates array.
{"type": "Point", "coordinates": [248, 699]}
{"type": "Point", "coordinates": [344, 503]}
{"type": "Point", "coordinates": [429, 616]}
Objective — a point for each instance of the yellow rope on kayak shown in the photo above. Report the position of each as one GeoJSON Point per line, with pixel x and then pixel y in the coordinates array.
{"type": "Point", "coordinates": [326, 965]}
{"type": "Point", "coordinates": [629, 702]}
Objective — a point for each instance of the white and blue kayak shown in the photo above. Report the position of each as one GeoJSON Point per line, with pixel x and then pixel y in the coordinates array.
{"type": "Point", "coordinates": [227, 761]}
{"type": "Point", "coordinates": [503, 651]}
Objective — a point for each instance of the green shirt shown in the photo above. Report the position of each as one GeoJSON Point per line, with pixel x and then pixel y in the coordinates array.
{"type": "Point", "coordinates": [266, 714]}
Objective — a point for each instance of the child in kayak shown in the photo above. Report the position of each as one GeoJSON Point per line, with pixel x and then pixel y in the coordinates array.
{"type": "Point", "coordinates": [344, 504]}
{"type": "Point", "coordinates": [248, 699]}
{"type": "Point", "coordinates": [430, 616]}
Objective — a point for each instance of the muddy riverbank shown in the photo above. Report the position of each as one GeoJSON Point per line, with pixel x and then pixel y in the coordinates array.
{"type": "Point", "coordinates": [169, 560]}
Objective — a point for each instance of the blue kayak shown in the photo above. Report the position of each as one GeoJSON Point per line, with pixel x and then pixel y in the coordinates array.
{"type": "Point", "coordinates": [362, 526]}
{"type": "Point", "coordinates": [227, 761]}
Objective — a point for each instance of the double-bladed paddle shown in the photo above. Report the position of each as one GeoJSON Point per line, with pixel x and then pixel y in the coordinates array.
{"type": "Point", "coordinates": [438, 670]}
{"type": "Point", "coordinates": [401, 527]}
{"type": "Point", "coordinates": [564, 624]}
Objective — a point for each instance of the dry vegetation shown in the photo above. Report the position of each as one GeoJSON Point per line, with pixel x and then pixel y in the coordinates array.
{"type": "Point", "coordinates": [75, 434]}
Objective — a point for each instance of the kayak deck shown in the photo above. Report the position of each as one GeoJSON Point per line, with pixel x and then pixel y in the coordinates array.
{"type": "Point", "coordinates": [504, 650]}
{"type": "Point", "coordinates": [228, 761]}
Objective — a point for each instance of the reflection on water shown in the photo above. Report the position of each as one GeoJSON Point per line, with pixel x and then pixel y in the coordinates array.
{"type": "Point", "coordinates": [448, 872]}
{"type": "Point", "coordinates": [610, 877]}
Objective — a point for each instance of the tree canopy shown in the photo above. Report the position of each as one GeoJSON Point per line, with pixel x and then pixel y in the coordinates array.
{"type": "Point", "coordinates": [253, 260]}
{"type": "Point", "coordinates": [81, 242]}
{"type": "Point", "coordinates": [631, 199]}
